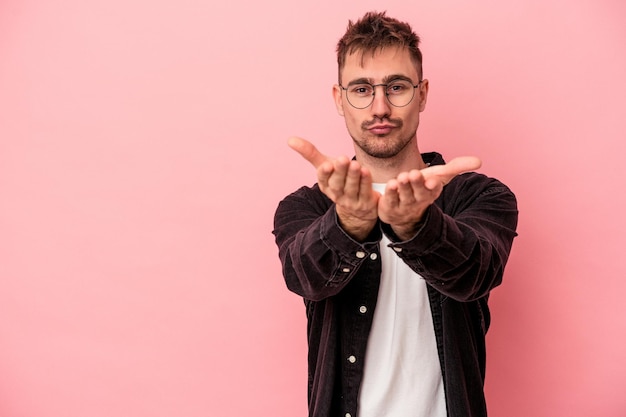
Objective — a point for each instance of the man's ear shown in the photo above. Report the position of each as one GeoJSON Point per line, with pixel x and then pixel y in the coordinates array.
{"type": "Point", "coordinates": [423, 91]}
{"type": "Point", "coordinates": [338, 100]}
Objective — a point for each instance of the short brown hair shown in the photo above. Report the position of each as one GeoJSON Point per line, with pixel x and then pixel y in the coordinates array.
{"type": "Point", "coordinates": [375, 31]}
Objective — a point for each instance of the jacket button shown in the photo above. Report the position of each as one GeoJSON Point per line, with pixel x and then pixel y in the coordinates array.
{"type": "Point", "coordinates": [363, 309]}
{"type": "Point", "coordinates": [351, 358]}
{"type": "Point", "coordinates": [360, 254]}
{"type": "Point", "coordinates": [373, 256]}
{"type": "Point", "coordinates": [397, 249]}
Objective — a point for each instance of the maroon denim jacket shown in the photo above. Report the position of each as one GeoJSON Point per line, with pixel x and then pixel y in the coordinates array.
{"type": "Point", "coordinates": [460, 250]}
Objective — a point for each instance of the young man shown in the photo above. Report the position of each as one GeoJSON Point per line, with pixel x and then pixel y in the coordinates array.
{"type": "Point", "coordinates": [394, 252]}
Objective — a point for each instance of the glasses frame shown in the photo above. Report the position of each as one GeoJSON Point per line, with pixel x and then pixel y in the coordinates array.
{"type": "Point", "coordinates": [386, 93]}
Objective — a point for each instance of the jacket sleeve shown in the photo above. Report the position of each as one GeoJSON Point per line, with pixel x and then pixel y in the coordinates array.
{"type": "Point", "coordinates": [318, 257]}
{"type": "Point", "coordinates": [464, 243]}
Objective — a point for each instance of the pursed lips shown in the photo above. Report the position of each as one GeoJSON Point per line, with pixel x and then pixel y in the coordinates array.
{"type": "Point", "coordinates": [381, 129]}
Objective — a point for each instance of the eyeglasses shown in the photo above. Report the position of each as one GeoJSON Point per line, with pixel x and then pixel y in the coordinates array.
{"type": "Point", "coordinates": [399, 93]}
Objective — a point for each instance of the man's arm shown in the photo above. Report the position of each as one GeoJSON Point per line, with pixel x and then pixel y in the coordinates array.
{"type": "Point", "coordinates": [324, 232]}
{"type": "Point", "coordinates": [318, 257]}
{"type": "Point", "coordinates": [464, 241]}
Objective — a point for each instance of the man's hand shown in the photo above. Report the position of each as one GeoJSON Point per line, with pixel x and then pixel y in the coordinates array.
{"type": "Point", "coordinates": [409, 195]}
{"type": "Point", "coordinates": [406, 198]}
{"type": "Point", "coordinates": [347, 184]}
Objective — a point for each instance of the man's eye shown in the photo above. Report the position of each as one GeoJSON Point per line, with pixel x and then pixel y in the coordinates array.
{"type": "Point", "coordinates": [362, 90]}
{"type": "Point", "coordinates": [396, 88]}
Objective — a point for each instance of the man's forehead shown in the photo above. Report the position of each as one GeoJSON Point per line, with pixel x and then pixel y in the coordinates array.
{"type": "Point", "coordinates": [380, 62]}
{"type": "Point", "coordinates": [360, 56]}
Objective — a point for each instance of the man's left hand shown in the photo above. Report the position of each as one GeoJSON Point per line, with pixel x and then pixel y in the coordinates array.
{"type": "Point", "coordinates": [408, 196]}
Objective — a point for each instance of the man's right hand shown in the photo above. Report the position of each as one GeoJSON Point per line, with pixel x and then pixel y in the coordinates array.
{"type": "Point", "coordinates": [347, 184]}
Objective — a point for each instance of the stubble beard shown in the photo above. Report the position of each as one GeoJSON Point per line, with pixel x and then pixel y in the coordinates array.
{"type": "Point", "coordinates": [382, 146]}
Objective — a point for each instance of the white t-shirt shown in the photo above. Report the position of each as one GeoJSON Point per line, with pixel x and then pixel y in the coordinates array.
{"type": "Point", "coordinates": [402, 376]}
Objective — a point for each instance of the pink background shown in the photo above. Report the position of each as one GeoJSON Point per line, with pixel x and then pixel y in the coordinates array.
{"type": "Point", "coordinates": [143, 152]}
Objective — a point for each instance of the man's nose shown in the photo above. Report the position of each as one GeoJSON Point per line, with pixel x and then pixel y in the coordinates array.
{"type": "Point", "coordinates": [380, 104]}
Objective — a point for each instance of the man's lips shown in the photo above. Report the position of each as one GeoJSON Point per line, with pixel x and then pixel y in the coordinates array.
{"type": "Point", "coordinates": [381, 129]}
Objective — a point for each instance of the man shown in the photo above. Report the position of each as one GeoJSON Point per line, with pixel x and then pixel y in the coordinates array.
{"type": "Point", "coordinates": [394, 252]}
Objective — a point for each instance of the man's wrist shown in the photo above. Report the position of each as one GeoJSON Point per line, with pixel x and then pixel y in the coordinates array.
{"type": "Point", "coordinates": [408, 231]}
{"type": "Point", "coordinates": [357, 228]}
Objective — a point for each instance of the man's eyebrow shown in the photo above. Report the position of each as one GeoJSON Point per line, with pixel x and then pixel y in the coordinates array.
{"type": "Point", "coordinates": [395, 77]}
{"type": "Point", "coordinates": [386, 79]}
{"type": "Point", "coordinates": [361, 81]}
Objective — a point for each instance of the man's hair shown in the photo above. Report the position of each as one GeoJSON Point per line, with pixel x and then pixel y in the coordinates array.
{"type": "Point", "coordinates": [374, 32]}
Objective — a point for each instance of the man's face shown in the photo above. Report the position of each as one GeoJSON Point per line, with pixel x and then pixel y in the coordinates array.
{"type": "Point", "coordinates": [381, 130]}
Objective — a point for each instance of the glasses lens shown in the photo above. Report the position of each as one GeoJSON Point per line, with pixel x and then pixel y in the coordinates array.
{"type": "Point", "coordinates": [400, 93]}
{"type": "Point", "coordinates": [360, 95]}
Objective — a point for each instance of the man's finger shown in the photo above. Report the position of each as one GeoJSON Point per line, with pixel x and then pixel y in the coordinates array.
{"type": "Point", "coordinates": [307, 150]}
{"type": "Point", "coordinates": [464, 164]}
{"type": "Point", "coordinates": [453, 168]}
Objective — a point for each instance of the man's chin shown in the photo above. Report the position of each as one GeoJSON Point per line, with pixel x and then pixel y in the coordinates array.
{"type": "Point", "coordinates": [385, 153]}
{"type": "Point", "coordinates": [382, 147]}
